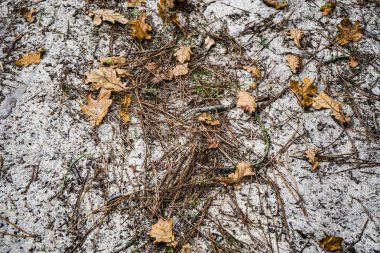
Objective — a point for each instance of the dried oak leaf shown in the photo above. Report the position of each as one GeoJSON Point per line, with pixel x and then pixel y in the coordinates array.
{"type": "Point", "coordinates": [106, 78]}
{"type": "Point", "coordinates": [206, 118]}
{"type": "Point", "coordinates": [243, 169]}
{"type": "Point", "coordinates": [294, 63]}
{"type": "Point", "coordinates": [276, 4]}
{"type": "Point", "coordinates": [254, 71]}
{"type": "Point", "coordinates": [28, 14]}
{"type": "Point", "coordinates": [29, 58]}
{"type": "Point", "coordinates": [212, 144]}
{"type": "Point", "coordinates": [306, 91]}
{"type": "Point", "coordinates": [113, 60]}
{"type": "Point", "coordinates": [246, 101]}
{"type": "Point", "coordinates": [162, 231]}
{"type": "Point", "coordinates": [311, 155]}
{"type": "Point", "coordinates": [353, 62]}
{"type": "Point", "coordinates": [296, 34]}
{"type": "Point", "coordinates": [328, 8]}
{"type": "Point", "coordinates": [331, 243]}
{"type": "Point", "coordinates": [133, 3]}
{"type": "Point", "coordinates": [180, 70]}
{"type": "Point", "coordinates": [139, 28]}
{"type": "Point", "coordinates": [324, 101]}
{"type": "Point", "coordinates": [97, 109]}
{"type": "Point", "coordinates": [124, 108]}
{"type": "Point", "coordinates": [349, 32]}
{"type": "Point", "coordinates": [183, 54]}
{"type": "Point", "coordinates": [209, 42]}
{"type": "Point", "coordinates": [107, 15]}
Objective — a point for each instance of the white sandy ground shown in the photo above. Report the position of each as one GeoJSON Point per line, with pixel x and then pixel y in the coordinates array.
{"type": "Point", "coordinates": [46, 131]}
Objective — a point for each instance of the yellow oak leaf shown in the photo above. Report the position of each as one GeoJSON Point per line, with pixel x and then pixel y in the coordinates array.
{"type": "Point", "coordinates": [107, 15]}
{"type": "Point", "coordinates": [97, 109]}
{"type": "Point", "coordinates": [328, 8]}
{"type": "Point", "coordinates": [305, 92]}
{"type": "Point", "coordinates": [206, 118]}
{"type": "Point", "coordinates": [243, 169]}
{"type": "Point", "coordinates": [246, 101]}
{"type": "Point", "coordinates": [28, 14]}
{"type": "Point", "coordinates": [331, 243]}
{"type": "Point", "coordinates": [254, 71]}
{"type": "Point", "coordinates": [113, 60]}
{"type": "Point", "coordinates": [139, 28]}
{"type": "Point", "coordinates": [324, 101]}
{"type": "Point", "coordinates": [133, 3]}
{"type": "Point", "coordinates": [276, 4]}
{"type": "Point", "coordinates": [349, 32]}
{"type": "Point", "coordinates": [29, 58]}
{"type": "Point", "coordinates": [294, 63]}
{"type": "Point", "coordinates": [296, 35]}
{"type": "Point", "coordinates": [311, 155]}
{"type": "Point", "coordinates": [104, 78]}
{"type": "Point", "coordinates": [180, 70]}
{"type": "Point", "coordinates": [183, 54]}
{"type": "Point", "coordinates": [124, 108]}
{"type": "Point", "coordinates": [162, 231]}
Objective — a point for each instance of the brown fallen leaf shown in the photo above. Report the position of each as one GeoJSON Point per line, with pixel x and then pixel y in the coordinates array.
{"type": "Point", "coordinates": [97, 109]}
{"type": "Point", "coordinates": [311, 155]}
{"type": "Point", "coordinates": [107, 15]}
{"type": "Point", "coordinates": [243, 169]}
{"type": "Point", "coordinates": [276, 4]}
{"type": "Point", "coordinates": [324, 101]}
{"type": "Point", "coordinates": [349, 32]}
{"type": "Point", "coordinates": [212, 145]}
{"type": "Point", "coordinates": [331, 243]}
{"type": "Point", "coordinates": [353, 62]}
{"type": "Point", "coordinates": [209, 42]}
{"type": "Point", "coordinates": [294, 63]}
{"type": "Point", "coordinates": [104, 78]}
{"type": "Point", "coordinates": [28, 14]}
{"type": "Point", "coordinates": [206, 118]}
{"type": "Point", "coordinates": [305, 92]}
{"type": "Point", "coordinates": [253, 85]}
{"type": "Point", "coordinates": [186, 249]}
{"type": "Point", "coordinates": [171, 3]}
{"type": "Point", "coordinates": [29, 58]}
{"type": "Point", "coordinates": [113, 60]}
{"type": "Point", "coordinates": [133, 3]}
{"type": "Point", "coordinates": [139, 28]}
{"type": "Point", "coordinates": [328, 8]}
{"type": "Point", "coordinates": [162, 77]}
{"type": "Point", "coordinates": [180, 70]}
{"type": "Point", "coordinates": [246, 101]}
{"type": "Point", "coordinates": [167, 17]}
{"type": "Point", "coordinates": [183, 54]}
{"type": "Point", "coordinates": [254, 71]}
{"type": "Point", "coordinates": [124, 108]}
{"type": "Point", "coordinates": [162, 231]}
{"type": "Point", "coordinates": [296, 35]}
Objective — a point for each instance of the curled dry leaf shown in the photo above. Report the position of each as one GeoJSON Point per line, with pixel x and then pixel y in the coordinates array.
{"type": "Point", "coordinates": [294, 63]}
{"type": "Point", "coordinates": [353, 62]}
{"type": "Point", "coordinates": [305, 92]}
{"type": "Point", "coordinates": [97, 109]}
{"type": "Point", "coordinates": [276, 4]}
{"type": "Point", "coordinates": [162, 231]}
{"type": "Point", "coordinates": [133, 3]}
{"type": "Point", "coordinates": [139, 28]}
{"type": "Point", "coordinates": [311, 155]}
{"type": "Point", "coordinates": [206, 118]}
{"type": "Point", "coordinates": [331, 243]}
{"type": "Point", "coordinates": [296, 35]}
{"type": "Point", "coordinates": [254, 71]}
{"type": "Point", "coordinates": [28, 14]}
{"type": "Point", "coordinates": [186, 249]}
{"type": "Point", "coordinates": [328, 8]}
{"type": "Point", "coordinates": [349, 32]}
{"type": "Point", "coordinates": [29, 58]}
{"type": "Point", "coordinates": [124, 108]}
{"type": "Point", "coordinates": [107, 15]}
{"type": "Point", "coordinates": [243, 169]}
{"type": "Point", "coordinates": [209, 42]}
{"type": "Point", "coordinates": [324, 101]}
{"type": "Point", "coordinates": [180, 70]}
{"type": "Point", "coordinates": [183, 54]}
{"type": "Point", "coordinates": [246, 101]}
{"type": "Point", "coordinates": [113, 60]}
{"type": "Point", "coordinates": [106, 78]}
